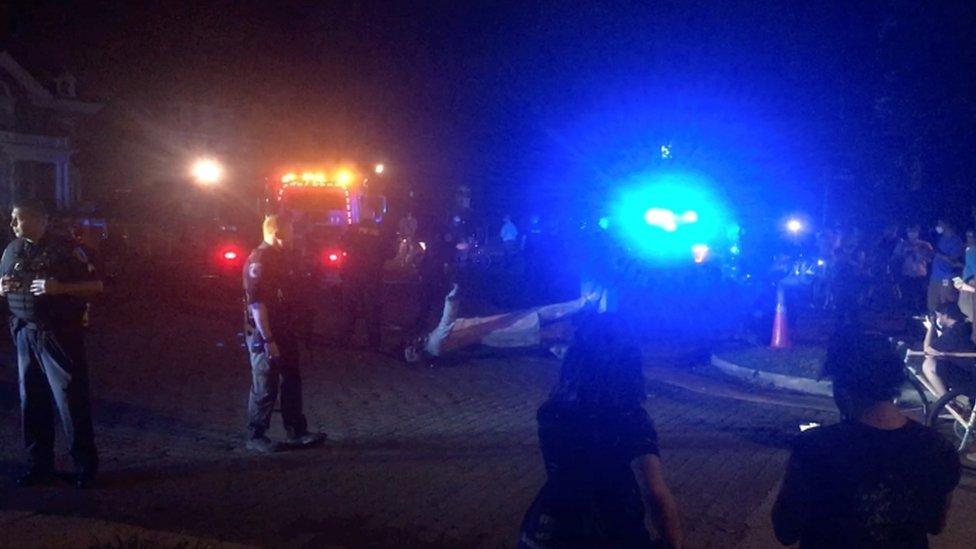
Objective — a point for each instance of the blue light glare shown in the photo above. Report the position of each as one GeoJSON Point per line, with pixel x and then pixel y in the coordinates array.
{"type": "Point", "coordinates": [644, 216]}
{"type": "Point", "coordinates": [668, 220]}
{"type": "Point", "coordinates": [604, 223]}
{"type": "Point", "coordinates": [756, 153]}
{"type": "Point", "coordinates": [662, 219]}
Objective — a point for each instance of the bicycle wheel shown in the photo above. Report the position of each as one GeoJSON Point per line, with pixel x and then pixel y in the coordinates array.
{"type": "Point", "coordinates": [958, 431]}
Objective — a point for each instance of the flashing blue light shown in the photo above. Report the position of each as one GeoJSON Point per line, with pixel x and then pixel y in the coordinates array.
{"type": "Point", "coordinates": [794, 225]}
{"type": "Point", "coordinates": [668, 220]}
{"type": "Point", "coordinates": [644, 215]}
{"type": "Point", "coordinates": [661, 218]}
{"type": "Point", "coordinates": [734, 249]}
{"type": "Point", "coordinates": [604, 223]}
{"type": "Point", "coordinates": [821, 263]}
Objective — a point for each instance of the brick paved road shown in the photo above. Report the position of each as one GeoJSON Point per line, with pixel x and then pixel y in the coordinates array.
{"type": "Point", "coordinates": [418, 457]}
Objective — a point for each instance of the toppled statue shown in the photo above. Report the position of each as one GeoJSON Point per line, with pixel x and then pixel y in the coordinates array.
{"type": "Point", "coordinates": [519, 329]}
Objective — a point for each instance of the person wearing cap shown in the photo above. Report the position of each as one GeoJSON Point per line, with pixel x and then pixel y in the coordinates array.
{"type": "Point", "coordinates": [951, 333]}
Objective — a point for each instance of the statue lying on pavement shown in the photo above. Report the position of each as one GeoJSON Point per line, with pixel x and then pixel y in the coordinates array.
{"type": "Point", "coordinates": [519, 329]}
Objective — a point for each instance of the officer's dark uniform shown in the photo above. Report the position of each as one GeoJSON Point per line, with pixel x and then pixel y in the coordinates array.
{"type": "Point", "coordinates": [434, 267]}
{"type": "Point", "coordinates": [48, 332]}
{"type": "Point", "coordinates": [362, 280]}
{"type": "Point", "coordinates": [270, 279]}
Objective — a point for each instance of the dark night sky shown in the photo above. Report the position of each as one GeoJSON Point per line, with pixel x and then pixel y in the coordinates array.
{"type": "Point", "coordinates": [526, 96]}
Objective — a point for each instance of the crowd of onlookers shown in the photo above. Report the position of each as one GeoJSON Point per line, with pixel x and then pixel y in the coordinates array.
{"type": "Point", "coordinates": [903, 268]}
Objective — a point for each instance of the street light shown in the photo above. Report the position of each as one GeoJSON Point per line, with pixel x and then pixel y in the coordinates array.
{"type": "Point", "coordinates": [207, 171]}
{"type": "Point", "coordinates": [380, 168]}
{"type": "Point", "coordinates": [794, 226]}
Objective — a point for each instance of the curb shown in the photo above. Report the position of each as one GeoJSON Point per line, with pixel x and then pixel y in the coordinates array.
{"type": "Point", "coordinates": [780, 381]}
{"type": "Point", "coordinates": [803, 385]}
{"type": "Point", "coordinates": [708, 386]}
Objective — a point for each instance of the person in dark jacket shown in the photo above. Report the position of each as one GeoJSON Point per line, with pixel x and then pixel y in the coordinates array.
{"type": "Point", "coordinates": [875, 480]}
{"type": "Point", "coordinates": [435, 273]}
{"type": "Point", "coordinates": [950, 333]}
{"type": "Point", "coordinates": [362, 280]}
{"type": "Point", "coordinates": [272, 292]}
{"type": "Point", "coordinates": [46, 279]}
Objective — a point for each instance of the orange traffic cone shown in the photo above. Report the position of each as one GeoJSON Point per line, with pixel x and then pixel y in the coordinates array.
{"type": "Point", "coordinates": [781, 332]}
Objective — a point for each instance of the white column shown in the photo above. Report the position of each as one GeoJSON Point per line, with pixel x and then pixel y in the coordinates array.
{"type": "Point", "coordinates": [62, 185]}
{"type": "Point", "coordinates": [7, 180]}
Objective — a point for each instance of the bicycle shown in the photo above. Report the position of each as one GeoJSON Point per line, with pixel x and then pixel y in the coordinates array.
{"type": "Point", "coordinates": [949, 414]}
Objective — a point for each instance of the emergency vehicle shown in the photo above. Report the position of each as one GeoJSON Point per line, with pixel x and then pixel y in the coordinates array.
{"type": "Point", "coordinates": [323, 204]}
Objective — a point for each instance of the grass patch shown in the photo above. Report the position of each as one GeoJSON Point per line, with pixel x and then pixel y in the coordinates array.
{"type": "Point", "coordinates": [801, 361]}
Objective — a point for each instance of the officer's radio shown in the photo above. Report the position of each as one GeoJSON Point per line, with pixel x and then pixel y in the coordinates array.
{"type": "Point", "coordinates": [20, 277]}
{"type": "Point", "coordinates": [26, 270]}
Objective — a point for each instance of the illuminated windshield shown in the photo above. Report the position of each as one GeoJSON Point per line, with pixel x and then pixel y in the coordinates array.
{"type": "Point", "coordinates": [315, 199]}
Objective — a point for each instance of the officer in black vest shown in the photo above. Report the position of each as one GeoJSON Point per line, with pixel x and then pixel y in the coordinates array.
{"type": "Point", "coordinates": [46, 279]}
{"type": "Point", "coordinates": [273, 292]}
{"type": "Point", "coordinates": [362, 280]}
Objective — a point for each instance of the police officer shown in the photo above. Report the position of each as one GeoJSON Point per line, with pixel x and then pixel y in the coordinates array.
{"type": "Point", "coordinates": [46, 279]}
{"type": "Point", "coordinates": [272, 289]}
{"type": "Point", "coordinates": [362, 279]}
{"type": "Point", "coordinates": [436, 269]}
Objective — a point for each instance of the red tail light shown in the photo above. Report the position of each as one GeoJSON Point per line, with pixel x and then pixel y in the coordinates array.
{"type": "Point", "coordinates": [230, 255]}
{"type": "Point", "coordinates": [332, 258]}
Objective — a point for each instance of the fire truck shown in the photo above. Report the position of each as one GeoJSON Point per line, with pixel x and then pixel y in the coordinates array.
{"type": "Point", "coordinates": [323, 204]}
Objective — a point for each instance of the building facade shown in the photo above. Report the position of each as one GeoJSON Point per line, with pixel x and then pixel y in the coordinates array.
{"type": "Point", "coordinates": [37, 122]}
